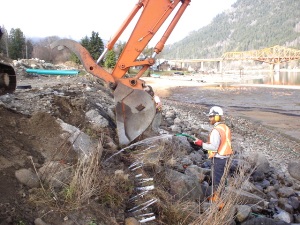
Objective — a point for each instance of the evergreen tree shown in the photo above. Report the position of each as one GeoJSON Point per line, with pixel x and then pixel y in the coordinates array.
{"type": "Point", "coordinates": [74, 58]}
{"type": "Point", "coordinates": [94, 45]}
{"type": "Point", "coordinates": [110, 60]}
{"type": "Point", "coordinates": [16, 44]}
{"type": "Point", "coordinates": [119, 48]}
{"type": "Point", "coordinates": [85, 42]}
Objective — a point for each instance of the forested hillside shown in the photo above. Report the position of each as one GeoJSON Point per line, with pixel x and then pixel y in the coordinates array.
{"type": "Point", "coordinates": [247, 25]}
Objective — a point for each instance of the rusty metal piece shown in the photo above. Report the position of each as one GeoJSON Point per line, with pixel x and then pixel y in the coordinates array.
{"type": "Point", "coordinates": [140, 107]}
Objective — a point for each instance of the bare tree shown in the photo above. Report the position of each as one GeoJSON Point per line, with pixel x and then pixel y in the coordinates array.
{"type": "Point", "coordinates": [42, 50]}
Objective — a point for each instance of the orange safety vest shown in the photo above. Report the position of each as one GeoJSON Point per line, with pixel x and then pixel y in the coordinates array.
{"type": "Point", "coordinates": [225, 144]}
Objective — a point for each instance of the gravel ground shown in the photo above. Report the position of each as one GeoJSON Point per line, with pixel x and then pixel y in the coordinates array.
{"type": "Point", "coordinates": [262, 119]}
{"type": "Point", "coordinates": [265, 118]}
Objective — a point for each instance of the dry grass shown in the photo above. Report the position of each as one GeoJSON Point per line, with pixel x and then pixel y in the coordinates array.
{"type": "Point", "coordinates": [213, 215]}
{"type": "Point", "coordinates": [168, 209]}
{"type": "Point", "coordinates": [81, 186]}
{"type": "Point", "coordinates": [179, 212]}
{"type": "Point", "coordinates": [112, 191]}
{"type": "Point", "coordinates": [88, 186]}
{"type": "Point", "coordinates": [85, 180]}
{"type": "Point", "coordinates": [172, 211]}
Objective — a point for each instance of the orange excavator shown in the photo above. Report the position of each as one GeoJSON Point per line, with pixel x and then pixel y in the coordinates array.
{"type": "Point", "coordinates": [135, 108]}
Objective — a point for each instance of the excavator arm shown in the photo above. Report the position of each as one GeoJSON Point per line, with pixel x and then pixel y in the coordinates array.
{"type": "Point", "coordinates": [135, 108]}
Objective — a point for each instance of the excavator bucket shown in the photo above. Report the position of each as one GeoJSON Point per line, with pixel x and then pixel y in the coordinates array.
{"type": "Point", "coordinates": [135, 110]}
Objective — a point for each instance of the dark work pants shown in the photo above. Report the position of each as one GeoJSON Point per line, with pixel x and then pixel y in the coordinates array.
{"type": "Point", "coordinates": [219, 166]}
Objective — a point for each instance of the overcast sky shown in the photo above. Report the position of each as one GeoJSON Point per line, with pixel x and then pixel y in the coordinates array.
{"type": "Point", "coordinates": [77, 19]}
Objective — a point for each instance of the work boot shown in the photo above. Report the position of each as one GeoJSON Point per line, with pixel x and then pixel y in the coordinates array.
{"type": "Point", "coordinates": [221, 205]}
{"type": "Point", "coordinates": [215, 198]}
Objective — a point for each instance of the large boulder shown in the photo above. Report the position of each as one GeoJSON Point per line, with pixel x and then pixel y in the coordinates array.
{"type": "Point", "coordinates": [263, 221]}
{"type": "Point", "coordinates": [96, 119]}
{"type": "Point", "coordinates": [263, 164]}
{"type": "Point", "coordinates": [197, 172]}
{"type": "Point", "coordinates": [27, 177]}
{"type": "Point", "coordinates": [294, 168]}
{"type": "Point", "coordinates": [248, 198]}
{"type": "Point", "coordinates": [243, 212]}
{"type": "Point", "coordinates": [81, 142]}
{"type": "Point", "coordinates": [55, 173]}
{"type": "Point", "coordinates": [184, 186]}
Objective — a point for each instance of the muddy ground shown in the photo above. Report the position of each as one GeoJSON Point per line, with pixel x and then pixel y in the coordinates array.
{"type": "Point", "coordinates": [26, 131]}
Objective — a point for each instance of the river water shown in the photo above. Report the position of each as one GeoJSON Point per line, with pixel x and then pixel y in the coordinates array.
{"type": "Point", "coordinates": [277, 78]}
{"type": "Point", "coordinates": [274, 107]}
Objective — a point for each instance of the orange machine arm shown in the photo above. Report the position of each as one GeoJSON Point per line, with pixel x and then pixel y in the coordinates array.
{"type": "Point", "coordinates": [135, 108]}
{"type": "Point", "coordinates": [154, 14]}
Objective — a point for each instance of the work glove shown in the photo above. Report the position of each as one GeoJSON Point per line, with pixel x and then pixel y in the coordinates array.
{"type": "Point", "coordinates": [198, 142]}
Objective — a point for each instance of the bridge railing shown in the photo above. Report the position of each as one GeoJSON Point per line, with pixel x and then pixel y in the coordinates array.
{"type": "Point", "coordinates": [273, 55]}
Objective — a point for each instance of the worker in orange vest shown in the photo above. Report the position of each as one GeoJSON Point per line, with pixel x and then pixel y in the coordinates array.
{"type": "Point", "coordinates": [218, 146]}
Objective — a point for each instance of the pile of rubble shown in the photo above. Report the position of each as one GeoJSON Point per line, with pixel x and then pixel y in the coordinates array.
{"type": "Point", "coordinates": [68, 104]}
{"type": "Point", "coordinates": [22, 64]}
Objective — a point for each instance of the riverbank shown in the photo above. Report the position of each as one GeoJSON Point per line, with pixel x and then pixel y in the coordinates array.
{"type": "Point", "coordinates": [276, 107]}
{"type": "Point", "coordinates": [41, 123]}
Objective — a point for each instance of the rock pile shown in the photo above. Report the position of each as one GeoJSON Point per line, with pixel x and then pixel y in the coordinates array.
{"type": "Point", "coordinates": [274, 182]}
{"type": "Point", "coordinates": [271, 195]}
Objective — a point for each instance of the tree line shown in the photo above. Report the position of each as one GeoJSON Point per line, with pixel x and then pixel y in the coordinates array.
{"type": "Point", "coordinates": [15, 45]}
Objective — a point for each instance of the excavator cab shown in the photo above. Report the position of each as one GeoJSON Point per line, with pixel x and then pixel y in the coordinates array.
{"type": "Point", "coordinates": [135, 108]}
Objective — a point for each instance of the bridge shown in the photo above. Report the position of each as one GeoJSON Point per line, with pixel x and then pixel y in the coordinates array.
{"type": "Point", "coordinates": [273, 55]}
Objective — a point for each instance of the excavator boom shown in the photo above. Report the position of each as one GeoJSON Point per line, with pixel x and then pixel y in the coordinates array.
{"type": "Point", "coordinates": [135, 108]}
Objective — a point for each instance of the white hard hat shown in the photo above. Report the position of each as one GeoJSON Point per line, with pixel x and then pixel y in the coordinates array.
{"type": "Point", "coordinates": [215, 110]}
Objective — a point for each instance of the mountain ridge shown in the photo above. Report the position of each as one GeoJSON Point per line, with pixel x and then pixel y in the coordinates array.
{"type": "Point", "coordinates": [247, 25]}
